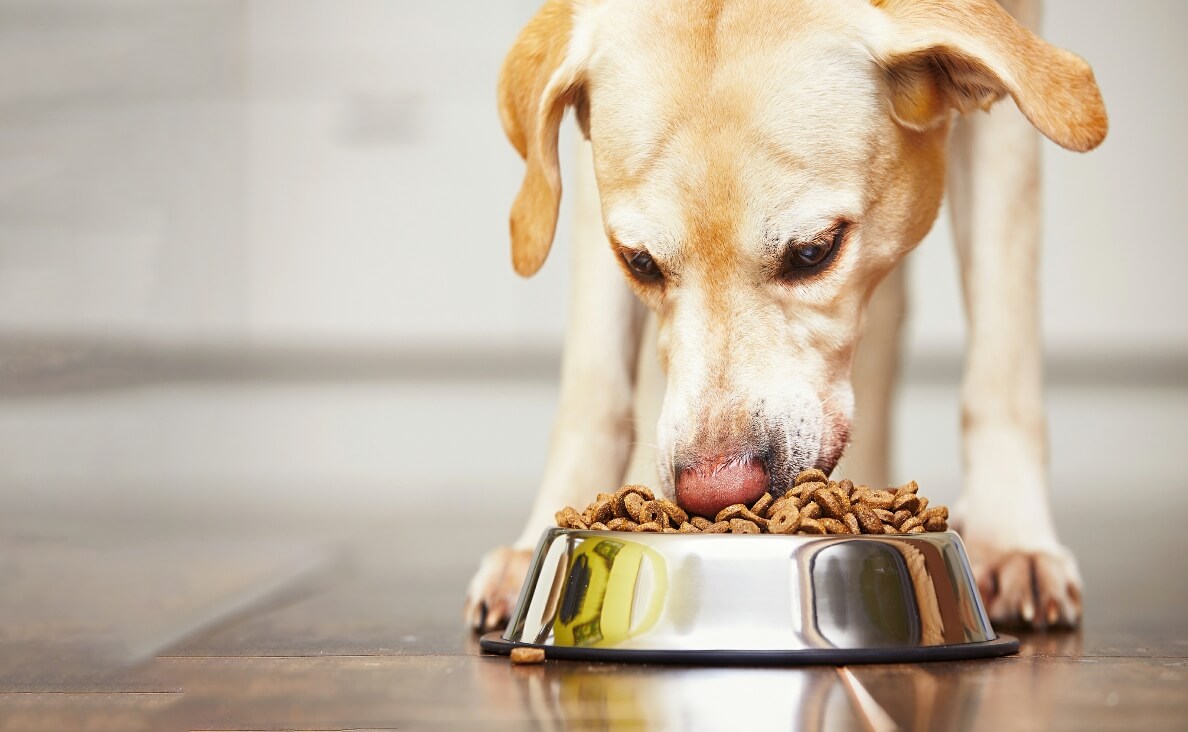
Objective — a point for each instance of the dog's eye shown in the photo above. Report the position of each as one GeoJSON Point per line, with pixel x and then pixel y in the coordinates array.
{"type": "Point", "coordinates": [809, 255]}
{"type": "Point", "coordinates": [642, 265]}
{"type": "Point", "coordinates": [802, 259]}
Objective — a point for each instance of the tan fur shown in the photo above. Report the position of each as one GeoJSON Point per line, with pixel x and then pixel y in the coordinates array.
{"type": "Point", "coordinates": [965, 54]}
{"type": "Point", "coordinates": [722, 131]}
{"type": "Point", "coordinates": [532, 99]}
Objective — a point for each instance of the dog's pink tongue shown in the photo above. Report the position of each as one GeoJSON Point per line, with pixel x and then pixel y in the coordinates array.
{"type": "Point", "coordinates": [707, 489]}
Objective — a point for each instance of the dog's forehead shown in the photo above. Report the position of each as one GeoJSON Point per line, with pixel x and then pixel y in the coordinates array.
{"type": "Point", "coordinates": [782, 98]}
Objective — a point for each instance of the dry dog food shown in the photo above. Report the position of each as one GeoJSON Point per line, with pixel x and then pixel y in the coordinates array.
{"type": "Point", "coordinates": [813, 505]}
{"type": "Point", "coordinates": [527, 655]}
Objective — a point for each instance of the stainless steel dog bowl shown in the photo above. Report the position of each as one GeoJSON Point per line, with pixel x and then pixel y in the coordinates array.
{"type": "Point", "coordinates": [719, 598]}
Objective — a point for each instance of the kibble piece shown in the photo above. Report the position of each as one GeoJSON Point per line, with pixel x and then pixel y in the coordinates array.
{"type": "Point", "coordinates": [743, 526]}
{"type": "Point", "coordinates": [936, 523]}
{"type": "Point", "coordinates": [669, 530]}
{"type": "Point", "coordinates": [731, 511]}
{"type": "Point", "coordinates": [527, 655]}
{"type": "Point", "coordinates": [830, 503]}
{"type": "Point", "coordinates": [842, 494]}
{"type": "Point", "coordinates": [621, 524]}
{"type": "Point", "coordinates": [868, 520]}
{"type": "Point", "coordinates": [900, 517]}
{"type": "Point", "coordinates": [908, 487]}
{"type": "Point", "coordinates": [781, 502]}
{"type": "Point", "coordinates": [910, 524]}
{"type": "Point", "coordinates": [700, 522]}
{"type": "Point", "coordinates": [847, 486]}
{"type": "Point", "coordinates": [915, 530]}
{"type": "Point", "coordinates": [879, 499]}
{"type": "Point", "coordinates": [833, 526]}
{"type": "Point", "coordinates": [811, 475]}
{"type": "Point", "coordinates": [777, 505]}
{"type": "Point", "coordinates": [651, 512]}
{"type": "Point", "coordinates": [941, 512]}
{"type": "Point", "coordinates": [784, 521]}
{"type": "Point", "coordinates": [719, 527]}
{"type": "Point", "coordinates": [604, 508]}
{"type": "Point", "coordinates": [753, 517]}
{"type": "Point", "coordinates": [675, 512]}
{"type": "Point", "coordinates": [907, 502]}
{"type": "Point", "coordinates": [810, 526]}
{"type": "Point", "coordinates": [851, 522]}
{"type": "Point", "coordinates": [923, 505]}
{"type": "Point", "coordinates": [642, 490]}
{"type": "Point", "coordinates": [804, 490]}
{"type": "Point", "coordinates": [890, 529]}
{"type": "Point", "coordinates": [761, 505]}
{"type": "Point", "coordinates": [633, 503]}
{"type": "Point", "coordinates": [599, 526]}
{"type": "Point", "coordinates": [569, 518]}
{"type": "Point", "coordinates": [688, 528]}
{"type": "Point", "coordinates": [620, 495]}
{"type": "Point", "coordinates": [651, 526]}
{"type": "Point", "coordinates": [936, 519]}
{"type": "Point", "coordinates": [884, 515]}
{"type": "Point", "coordinates": [810, 510]}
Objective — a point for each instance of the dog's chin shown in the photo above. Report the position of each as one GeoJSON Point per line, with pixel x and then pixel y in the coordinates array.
{"type": "Point", "coordinates": [827, 464]}
{"type": "Point", "coordinates": [829, 455]}
{"type": "Point", "coordinates": [833, 443]}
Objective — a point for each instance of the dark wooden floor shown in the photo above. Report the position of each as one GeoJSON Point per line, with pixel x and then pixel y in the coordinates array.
{"type": "Point", "coordinates": [179, 624]}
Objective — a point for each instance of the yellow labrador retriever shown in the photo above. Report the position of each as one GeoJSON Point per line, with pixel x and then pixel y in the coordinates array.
{"type": "Point", "coordinates": [755, 171]}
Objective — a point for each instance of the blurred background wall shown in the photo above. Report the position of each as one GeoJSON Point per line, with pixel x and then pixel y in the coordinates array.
{"type": "Point", "coordinates": [253, 257]}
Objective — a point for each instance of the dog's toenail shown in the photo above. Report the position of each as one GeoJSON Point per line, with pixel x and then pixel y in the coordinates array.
{"type": "Point", "coordinates": [1028, 612]}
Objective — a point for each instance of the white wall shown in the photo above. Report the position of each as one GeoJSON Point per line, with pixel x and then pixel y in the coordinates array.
{"type": "Point", "coordinates": [325, 173]}
{"type": "Point", "coordinates": [320, 171]}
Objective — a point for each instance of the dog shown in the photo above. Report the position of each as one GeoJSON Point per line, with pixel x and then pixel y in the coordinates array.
{"type": "Point", "coordinates": [752, 173]}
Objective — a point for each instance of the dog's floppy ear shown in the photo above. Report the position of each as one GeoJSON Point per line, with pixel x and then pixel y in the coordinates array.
{"type": "Point", "coordinates": [540, 77]}
{"type": "Point", "coordinates": [966, 54]}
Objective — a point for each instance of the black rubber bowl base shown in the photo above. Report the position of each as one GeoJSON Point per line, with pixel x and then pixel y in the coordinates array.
{"type": "Point", "coordinates": [1004, 645]}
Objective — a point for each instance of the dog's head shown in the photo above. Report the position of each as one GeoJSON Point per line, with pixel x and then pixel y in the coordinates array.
{"type": "Point", "coordinates": [762, 164]}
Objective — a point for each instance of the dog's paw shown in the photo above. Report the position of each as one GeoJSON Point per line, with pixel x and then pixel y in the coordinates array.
{"type": "Point", "coordinates": [1034, 588]}
{"type": "Point", "coordinates": [495, 588]}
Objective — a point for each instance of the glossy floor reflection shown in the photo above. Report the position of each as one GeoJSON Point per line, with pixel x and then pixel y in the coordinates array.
{"type": "Point", "coordinates": [360, 630]}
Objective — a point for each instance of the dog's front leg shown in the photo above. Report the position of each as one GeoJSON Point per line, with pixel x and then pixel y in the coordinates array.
{"type": "Point", "coordinates": [592, 433]}
{"type": "Point", "coordinates": [1025, 575]}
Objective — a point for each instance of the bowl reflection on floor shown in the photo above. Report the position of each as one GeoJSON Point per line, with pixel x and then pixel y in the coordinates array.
{"type": "Point", "coordinates": [923, 696]}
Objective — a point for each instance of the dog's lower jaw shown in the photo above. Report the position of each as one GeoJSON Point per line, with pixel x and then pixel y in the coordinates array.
{"type": "Point", "coordinates": [833, 445]}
